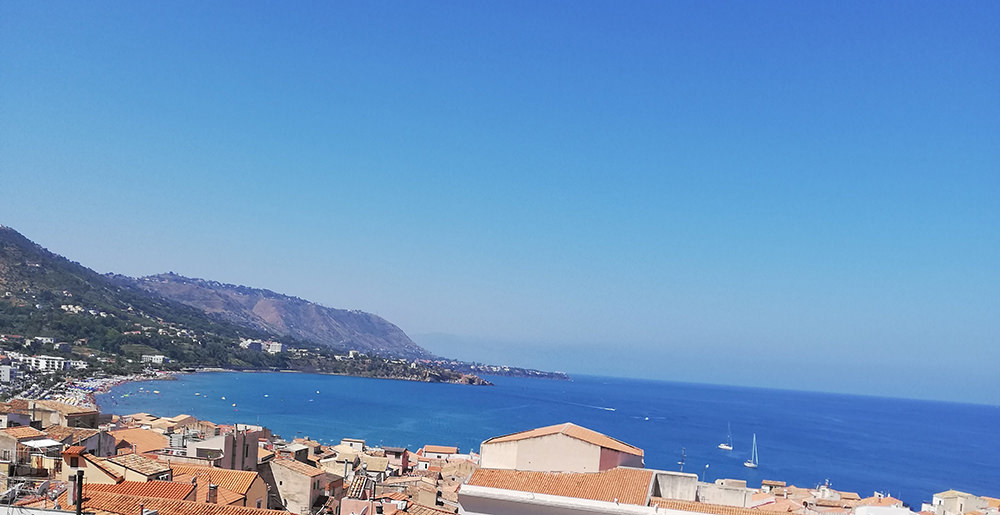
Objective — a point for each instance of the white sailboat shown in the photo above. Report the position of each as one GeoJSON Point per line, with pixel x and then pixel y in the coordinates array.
{"type": "Point", "coordinates": [752, 462]}
{"type": "Point", "coordinates": [728, 444]}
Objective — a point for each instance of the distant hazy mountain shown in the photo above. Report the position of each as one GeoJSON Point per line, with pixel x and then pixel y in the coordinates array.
{"type": "Point", "coordinates": [280, 314]}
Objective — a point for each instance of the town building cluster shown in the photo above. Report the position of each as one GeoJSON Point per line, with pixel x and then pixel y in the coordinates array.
{"type": "Point", "coordinates": [268, 346]}
{"type": "Point", "coordinates": [57, 457]}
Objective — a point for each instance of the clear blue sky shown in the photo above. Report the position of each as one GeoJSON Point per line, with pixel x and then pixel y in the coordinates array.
{"type": "Point", "coordinates": [789, 194]}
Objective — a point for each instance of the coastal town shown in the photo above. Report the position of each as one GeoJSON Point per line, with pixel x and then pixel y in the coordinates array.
{"type": "Point", "coordinates": [60, 454]}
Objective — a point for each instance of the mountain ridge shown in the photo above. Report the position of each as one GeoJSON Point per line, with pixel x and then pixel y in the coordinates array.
{"type": "Point", "coordinates": [31, 275]}
{"type": "Point", "coordinates": [285, 315]}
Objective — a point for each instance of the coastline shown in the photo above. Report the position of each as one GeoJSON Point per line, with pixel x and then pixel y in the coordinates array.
{"type": "Point", "coordinates": [83, 392]}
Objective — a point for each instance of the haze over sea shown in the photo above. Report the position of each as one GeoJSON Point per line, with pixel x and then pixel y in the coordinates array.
{"type": "Point", "coordinates": [908, 448]}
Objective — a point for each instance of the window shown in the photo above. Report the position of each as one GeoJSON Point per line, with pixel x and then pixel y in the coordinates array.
{"type": "Point", "coordinates": [258, 503]}
{"type": "Point", "coordinates": [74, 462]}
{"type": "Point", "coordinates": [6, 454]}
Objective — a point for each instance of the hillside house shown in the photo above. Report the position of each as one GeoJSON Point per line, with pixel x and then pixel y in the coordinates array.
{"type": "Point", "coordinates": [96, 442]}
{"type": "Point", "coordinates": [136, 467]}
{"type": "Point", "coordinates": [559, 448]}
{"type": "Point", "coordinates": [11, 416]}
{"type": "Point", "coordinates": [237, 450]}
{"type": "Point", "coordinates": [11, 453]}
{"type": "Point", "coordinates": [374, 467]}
{"type": "Point", "coordinates": [53, 413]}
{"type": "Point", "coordinates": [296, 486]}
{"type": "Point", "coordinates": [94, 470]}
{"type": "Point", "coordinates": [354, 443]}
{"type": "Point", "coordinates": [439, 452]}
{"type": "Point", "coordinates": [138, 440]}
{"type": "Point", "coordinates": [234, 487]}
{"type": "Point", "coordinates": [399, 458]}
{"type": "Point", "coordinates": [292, 451]}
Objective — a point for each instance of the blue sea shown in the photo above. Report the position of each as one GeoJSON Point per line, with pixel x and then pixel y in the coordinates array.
{"type": "Point", "coordinates": [907, 448]}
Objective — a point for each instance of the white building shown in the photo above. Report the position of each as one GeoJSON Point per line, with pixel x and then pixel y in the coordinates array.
{"type": "Point", "coordinates": [953, 502]}
{"type": "Point", "coordinates": [41, 363]}
{"type": "Point", "coordinates": [157, 359]}
{"type": "Point", "coordinates": [273, 347]}
{"type": "Point", "coordinates": [8, 373]}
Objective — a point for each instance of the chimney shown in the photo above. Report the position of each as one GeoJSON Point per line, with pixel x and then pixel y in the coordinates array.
{"type": "Point", "coordinates": [213, 494]}
{"type": "Point", "coordinates": [79, 492]}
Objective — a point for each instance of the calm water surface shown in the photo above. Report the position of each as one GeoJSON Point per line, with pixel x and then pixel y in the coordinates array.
{"type": "Point", "coordinates": [908, 448]}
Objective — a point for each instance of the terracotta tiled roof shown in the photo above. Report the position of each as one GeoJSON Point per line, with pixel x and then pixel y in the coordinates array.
{"type": "Point", "coordinates": [70, 435]}
{"type": "Point", "coordinates": [111, 503]}
{"type": "Point", "coordinates": [701, 507]}
{"type": "Point", "coordinates": [299, 467]}
{"type": "Point", "coordinates": [74, 450]}
{"type": "Point", "coordinates": [952, 493]}
{"type": "Point", "coordinates": [142, 417]}
{"type": "Point", "coordinates": [144, 440]}
{"type": "Point", "coordinates": [140, 464]}
{"type": "Point", "coordinates": [13, 407]}
{"type": "Point", "coordinates": [238, 481]}
{"type": "Point", "coordinates": [158, 489]}
{"type": "Point", "coordinates": [880, 501]}
{"type": "Point", "coordinates": [322, 455]}
{"type": "Point", "coordinates": [832, 503]}
{"type": "Point", "coordinates": [408, 480]}
{"type": "Point", "coordinates": [572, 430]}
{"type": "Point", "coordinates": [360, 486]}
{"type": "Point", "coordinates": [440, 449]}
{"type": "Point", "coordinates": [992, 502]}
{"type": "Point", "coordinates": [395, 496]}
{"type": "Point", "coordinates": [771, 482]}
{"type": "Point", "coordinates": [223, 494]}
{"type": "Point", "coordinates": [65, 409]}
{"type": "Point", "coordinates": [99, 464]}
{"type": "Point", "coordinates": [307, 442]}
{"type": "Point", "coordinates": [375, 463]}
{"type": "Point", "coordinates": [420, 509]}
{"type": "Point", "coordinates": [780, 505]}
{"type": "Point", "coordinates": [850, 496]}
{"type": "Point", "coordinates": [627, 485]}
{"type": "Point", "coordinates": [23, 432]}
